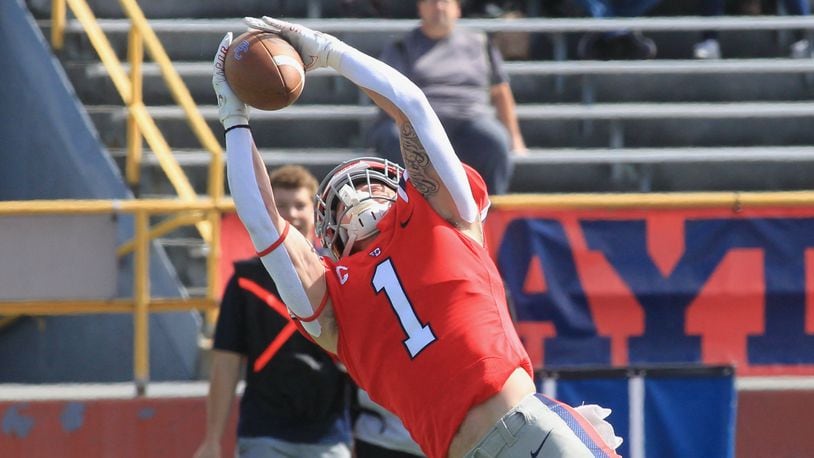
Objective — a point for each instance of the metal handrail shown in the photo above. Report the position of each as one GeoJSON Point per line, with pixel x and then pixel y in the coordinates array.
{"type": "Point", "coordinates": [141, 304]}
{"type": "Point", "coordinates": [140, 122]}
{"type": "Point", "coordinates": [189, 209]}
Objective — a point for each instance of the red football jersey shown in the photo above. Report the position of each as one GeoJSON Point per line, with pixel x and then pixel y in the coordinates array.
{"type": "Point", "coordinates": [425, 328]}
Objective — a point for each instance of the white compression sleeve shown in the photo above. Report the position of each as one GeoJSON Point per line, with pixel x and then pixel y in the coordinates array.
{"type": "Point", "coordinates": [379, 77]}
{"type": "Point", "coordinates": [252, 212]}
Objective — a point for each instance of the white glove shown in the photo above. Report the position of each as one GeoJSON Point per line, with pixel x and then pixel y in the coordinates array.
{"type": "Point", "coordinates": [317, 49]}
{"type": "Point", "coordinates": [231, 110]}
{"type": "Point", "coordinates": [596, 417]}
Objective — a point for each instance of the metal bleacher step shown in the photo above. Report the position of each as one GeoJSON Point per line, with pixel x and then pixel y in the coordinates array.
{"type": "Point", "coordinates": [612, 125]}
{"type": "Point", "coordinates": [584, 67]}
{"type": "Point", "coordinates": [222, 25]}
{"type": "Point", "coordinates": [678, 110]}
{"type": "Point", "coordinates": [272, 157]}
{"type": "Point", "coordinates": [713, 81]}
{"type": "Point", "coordinates": [93, 84]}
{"type": "Point", "coordinates": [741, 36]}
{"type": "Point", "coordinates": [584, 170]}
{"type": "Point", "coordinates": [333, 156]}
{"type": "Point", "coordinates": [661, 67]}
{"type": "Point", "coordinates": [668, 155]}
{"type": "Point", "coordinates": [608, 111]}
{"type": "Point", "coordinates": [669, 115]}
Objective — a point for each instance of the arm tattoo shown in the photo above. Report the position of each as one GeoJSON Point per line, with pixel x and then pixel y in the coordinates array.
{"type": "Point", "coordinates": [417, 161]}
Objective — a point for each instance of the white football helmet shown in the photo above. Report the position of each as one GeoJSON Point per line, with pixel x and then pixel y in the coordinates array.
{"type": "Point", "coordinates": [362, 210]}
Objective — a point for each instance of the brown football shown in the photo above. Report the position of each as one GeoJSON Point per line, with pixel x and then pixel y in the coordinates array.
{"type": "Point", "coordinates": [264, 70]}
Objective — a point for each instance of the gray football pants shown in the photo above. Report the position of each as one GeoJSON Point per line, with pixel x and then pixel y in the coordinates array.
{"type": "Point", "coordinates": [539, 427]}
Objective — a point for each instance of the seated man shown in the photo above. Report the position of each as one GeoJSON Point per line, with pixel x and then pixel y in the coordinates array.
{"type": "Point", "coordinates": [462, 75]}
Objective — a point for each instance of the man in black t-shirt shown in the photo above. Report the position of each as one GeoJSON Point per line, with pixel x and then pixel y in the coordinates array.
{"type": "Point", "coordinates": [295, 403]}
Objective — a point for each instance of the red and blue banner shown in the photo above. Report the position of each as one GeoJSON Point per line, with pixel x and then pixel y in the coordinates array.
{"type": "Point", "coordinates": [626, 287]}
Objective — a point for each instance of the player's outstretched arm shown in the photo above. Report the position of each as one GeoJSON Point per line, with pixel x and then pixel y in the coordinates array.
{"type": "Point", "coordinates": [431, 161]}
{"type": "Point", "coordinates": [289, 258]}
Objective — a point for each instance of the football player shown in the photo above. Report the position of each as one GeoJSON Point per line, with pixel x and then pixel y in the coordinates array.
{"type": "Point", "coordinates": [411, 302]}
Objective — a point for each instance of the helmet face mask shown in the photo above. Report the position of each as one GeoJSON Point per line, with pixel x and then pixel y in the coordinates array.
{"type": "Point", "coordinates": [346, 205]}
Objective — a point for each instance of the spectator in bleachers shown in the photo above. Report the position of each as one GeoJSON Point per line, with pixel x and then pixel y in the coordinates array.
{"type": "Point", "coordinates": [460, 72]}
{"type": "Point", "coordinates": [621, 44]}
{"type": "Point", "coordinates": [709, 47]}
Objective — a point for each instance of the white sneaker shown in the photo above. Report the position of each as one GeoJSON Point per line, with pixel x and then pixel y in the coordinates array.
{"type": "Point", "coordinates": [801, 49]}
{"type": "Point", "coordinates": [707, 49]}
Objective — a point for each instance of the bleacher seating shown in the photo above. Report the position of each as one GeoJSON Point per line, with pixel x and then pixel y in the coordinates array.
{"type": "Point", "coordinates": [671, 124]}
{"type": "Point", "coordinates": [605, 111]}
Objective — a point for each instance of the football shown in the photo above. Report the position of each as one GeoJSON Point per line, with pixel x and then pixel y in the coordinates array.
{"type": "Point", "coordinates": [264, 70]}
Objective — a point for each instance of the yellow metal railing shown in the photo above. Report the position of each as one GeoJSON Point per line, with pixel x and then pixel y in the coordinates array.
{"type": "Point", "coordinates": [205, 213]}
{"type": "Point", "coordinates": [141, 304]}
{"type": "Point", "coordinates": [191, 212]}
{"type": "Point", "coordinates": [188, 209]}
{"type": "Point", "coordinates": [139, 123]}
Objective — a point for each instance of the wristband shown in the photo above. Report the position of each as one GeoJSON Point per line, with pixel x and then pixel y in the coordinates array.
{"type": "Point", "coordinates": [236, 126]}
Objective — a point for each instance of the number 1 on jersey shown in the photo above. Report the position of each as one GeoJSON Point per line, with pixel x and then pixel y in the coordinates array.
{"type": "Point", "coordinates": [418, 335]}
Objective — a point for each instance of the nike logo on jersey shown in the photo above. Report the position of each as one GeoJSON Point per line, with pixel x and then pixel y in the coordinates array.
{"type": "Point", "coordinates": [342, 274]}
{"type": "Point", "coordinates": [537, 452]}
